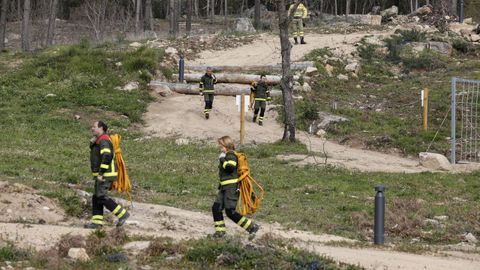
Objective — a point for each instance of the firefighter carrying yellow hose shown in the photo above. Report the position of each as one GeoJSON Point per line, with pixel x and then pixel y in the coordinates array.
{"type": "Point", "coordinates": [298, 15]}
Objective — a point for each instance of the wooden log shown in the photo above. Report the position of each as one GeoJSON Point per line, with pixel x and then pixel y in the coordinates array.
{"type": "Point", "coordinates": [238, 78]}
{"type": "Point", "coordinates": [220, 89]}
{"type": "Point", "coordinates": [253, 68]}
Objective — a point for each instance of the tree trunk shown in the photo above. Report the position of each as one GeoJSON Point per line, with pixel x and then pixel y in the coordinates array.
{"type": "Point", "coordinates": [208, 8]}
{"type": "Point", "coordinates": [51, 22]}
{"type": "Point", "coordinates": [148, 25]}
{"type": "Point", "coordinates": [220, 89]}
{"type": "Point", "coordinates": [256, 17]}
{"type": "Point", "coordinates": [347, 8]}
{"type": "Point", "coordinates": [286, 82]}
{"type": "Point", "coordinates": [196, 8]}
{"type": "Point", "coordinates": [26, 26]}
{"type": "Point", "coordinates": [336, 8]}
{"type": "Point", "coordinates": [3, 24]}
{"type": "Point", "coordinates": [138, 10]}
{"type": "Point", "coordinates": [177, 17]}
{"type": "Point", "coordinates": [225, 13]}
{"type": "Point", "coordinates": [188, 24]}
{"type": "Point", "coordinates": [252, 68]}
{"type": "Point", "coordinates": [212, 12]}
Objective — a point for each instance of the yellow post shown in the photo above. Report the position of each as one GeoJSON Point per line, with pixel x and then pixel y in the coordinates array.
{"type": "Point", "coordinates": [242, 119]}
{"type": "Point", "coordinates": [425, 109]}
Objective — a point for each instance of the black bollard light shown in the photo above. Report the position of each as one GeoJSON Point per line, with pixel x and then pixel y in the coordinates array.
{"type": "Point", "coordinates": [379, 226]}
{"type": "Point", "coordinates": [181, 69]}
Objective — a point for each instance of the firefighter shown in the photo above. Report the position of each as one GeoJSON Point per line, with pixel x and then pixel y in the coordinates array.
{"type": "Point", "coordinates": [228, 191]}
{"type": "Point", "coordinates": [298, 16]}
{"type": "Point", "coordinates": [207, 90]}
{"type": "Point", "coordinates": [261, 94]}
{"type": "Point", "coordinates": [104, 170]}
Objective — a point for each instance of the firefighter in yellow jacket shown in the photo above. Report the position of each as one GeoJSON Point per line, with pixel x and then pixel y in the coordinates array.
{"type": "Point", "coordinates": [298, 15]}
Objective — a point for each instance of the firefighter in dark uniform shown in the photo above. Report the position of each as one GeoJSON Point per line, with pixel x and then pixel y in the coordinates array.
{"type": "Point", "coordinates": [207, 89]}
{"type": "Point", "coordinates": [261, 94]}
{"type": "Point", "coordinates": [228, 193]}
{"type": "Point", "coordinates": [104, 170]}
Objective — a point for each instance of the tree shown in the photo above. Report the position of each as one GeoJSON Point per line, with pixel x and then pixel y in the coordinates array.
{"type": "Point", "coordinates": [256, 20]}
{"type": "Point", "coordinates": [26, 26]}
{"type": "Point", "coordinates": [138, 10]}
{"type": "Point", "coordinates": [188, 24]}
{"type": "Point", "coordinates": [51, 22]}
{"type": "Point", "coordinates": [3, 24]}
{"type": "Point", "coordinates": [284, 20]}
{"type": "Point", "coordinates": [148, 25]}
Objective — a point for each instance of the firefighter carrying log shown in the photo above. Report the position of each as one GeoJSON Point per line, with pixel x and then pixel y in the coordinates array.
{"type": "Point", "coordinates": [105, 172]}
{"type": "Point", "coordinates": [207, 90]}
{"type": "Point", "coordinates": [261, 94]}
{"type": "Point", "coordinates": [298, 15]}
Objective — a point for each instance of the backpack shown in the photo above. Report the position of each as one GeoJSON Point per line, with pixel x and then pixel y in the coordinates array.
{"type": "Point", "coordinates": [249, 202]}
{"type": "Point", "coordinates": [123, 181]}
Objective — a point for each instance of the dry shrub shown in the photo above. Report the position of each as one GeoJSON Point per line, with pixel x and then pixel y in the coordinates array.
{"type": "Point", "coordinates": [165, 246]}
{"type": "Point", "coordinates": [363, 223]}
{"type": "Point", "coordinates": [101, 242]}
{"type": "Point", "coordinates": [405, 218]}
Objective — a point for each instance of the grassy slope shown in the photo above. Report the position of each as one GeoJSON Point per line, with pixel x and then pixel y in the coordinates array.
{"type": "Point", "coordinates": [41, 141]}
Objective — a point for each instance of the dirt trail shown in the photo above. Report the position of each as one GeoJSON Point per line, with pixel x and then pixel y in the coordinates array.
{"type": "Point", "coordinates": [156, 220]}
{"type": "Point", "coordinates": [165, 120]}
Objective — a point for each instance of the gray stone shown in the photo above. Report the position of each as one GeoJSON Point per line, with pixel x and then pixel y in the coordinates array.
{"type": "Point", "coordinates": [468, 21]}
{"type": "Point", "coordinates": [78, 254]}
{"type": "Point", "coordinates": [441, 218]}
{"type": "Point", "coordinates": [171, 51]}
{"type": "Point", "coordinates": [329, 70]}
{"type": "Point", "coordinates": [433, 222]}
{"type": "Point", "coordinates": [389, 12]}
{"type": "Point", "coordinates": [146, 267]}
{"type": "Point", "coordinates": [474, 38]}
{"type": "Point", "coordinates": [353, 67]}
{"type": "Point", "coordinates": [471, 238]}
{"type": "Point", "coordinates": [162, 90]}
{"type": "Point", "coordinates": [130, 86]}
{"type": "Point", "coordinates": [311, 71]}
{"type": "Point", "coordinates": [325, 120]}
{"type": "Point", "coordinates": [136, 44]}
{"type": "Point", "coordinates": [342, 77]}
{"type": "Point", "coordinates": [365, 19]}
{"type": "Point", "coordinates": [434, 161]}
{"type": "Point", "coordinates": [306, 87]}
{"type": "Point", "coordinates": [136, 246]}
{"type": "Point", "coordinates": [244, 25]}
{"type": "Point", "coordinates": [182, 141]}
{"type": "Point", "coordinates": [441, 47]}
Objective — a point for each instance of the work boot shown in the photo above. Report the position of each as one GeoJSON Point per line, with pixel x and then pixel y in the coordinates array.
{"type": "Point", "coordinates": [253, 228]}
{"type": "Point", "coordinates": [296, 40]}
{"type": "Point", "coordinates": [122, 220]}
{"type": "Point", "coordinates": [93, 226]}
{"type": "Point", "coordinates": [254, 118]}
{"type": "Point", "coordinates": [260, 123]}
{"type": "Point", "coordinates": [302, 40]}
{"type": "Point", "coordinates": [207, 116]}
{"type": "Point", "coordinates": [218, 234]}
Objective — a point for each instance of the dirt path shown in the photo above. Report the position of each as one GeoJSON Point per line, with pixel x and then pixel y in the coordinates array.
{"type": "Point", "coordinates": [266, 49]}
{"type": "Point", "coordinates": [165, 120]}
{"type": "Point", "coordinates": [156, 220]}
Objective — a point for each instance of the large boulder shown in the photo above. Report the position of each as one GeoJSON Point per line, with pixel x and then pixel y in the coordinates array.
{"type": "Point", "coordinates": [423, 11]}
{"type": "Point", "coordinates": [325, 120]}
{"type": "Point", "coordinates": [389, 12]}
{"type": "Point", "coordinates": [441, 47]}
{"type": "Point", "coordinates": [244, 25]}
{"type": "Point", "coordinates": [78, 254]}
{"type": "Point", "coordinates": [434, 161]}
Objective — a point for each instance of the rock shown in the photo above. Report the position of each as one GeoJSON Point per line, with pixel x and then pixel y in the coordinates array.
{"type": "Point", "coordinates": [353, 67]}
{"type": "Point", "coordinates": [136, 44]}
{"type": "Point", "coordinates": [50, 95]}
{"type": "Point", "coordinates": [434, 222]}
{"type": "Point", "coordinates": [477, 29]}
{"type": "Point", "coordinates": [9, 211]}
{"type": "Point", "coordinates": [471, 238]}
{"type": "Point", "coordinates": [83, 193]}
{"type": "Point", "coordinates": [325, 120]}
{"type": "Point", "coordinates": [146, 267]}
{"type": "Point", "coordinates": [328, 69]}
{"type": "Point", "coordinates": [78, 254]}
{"type": "Point", "coordinates": [244, 25]}
{"type": "Point", "coordinates": [441, 47]}
{"type": "Point", "coordinates": [468, 21]}
{"type": "Point", "coordinates": [374, 40]}
{"type": "Point", "coordinates": [474, 38]}
{"type": "Point", "coordinates": [130, 86]}
{"type": "Point", "coordinates": [441, 218]}
{"type": "Point", "coordinates": [389, 12]}
{"type": "Point", "coordinates": [423, 11]}
{"type": "Point", "coordinates": [171, 51]}
{"type": "Point", "coordinates": [342, 77]}
{"type": "Point", "coordinates": [225, 259]}
{"type": "Point", "coordinates": [321, 133]}
{"type": "Point", "coordinates": [162, 90]}
{"type": "Point", "coordinates": [358, 86]}
{"type": "Point", "coordinates": [118, 64]}
{"type": "Point", "coordinates": [434, 161]}
{"type": "Point", "coordinates": [77, 117]}
{"type": "Point", "coordinates": [311, 71]}
{"type": "Point", "coordinates": [306, 87]}
{"type": "Point", "coordinates": [182, 141]}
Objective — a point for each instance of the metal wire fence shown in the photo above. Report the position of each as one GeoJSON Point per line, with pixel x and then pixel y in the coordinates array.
{"type": "Point", "coordinates": [465, 126]}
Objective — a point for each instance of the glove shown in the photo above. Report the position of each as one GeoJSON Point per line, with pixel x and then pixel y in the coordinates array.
{"type": "Point", "coordinates": [100, 178]}
{"type": "Point", "coordinates": [222, 155]}
{"type": "Point", "coordinates": [92, 141]}
{"type": "Point", "coordinates": [201, 93]}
